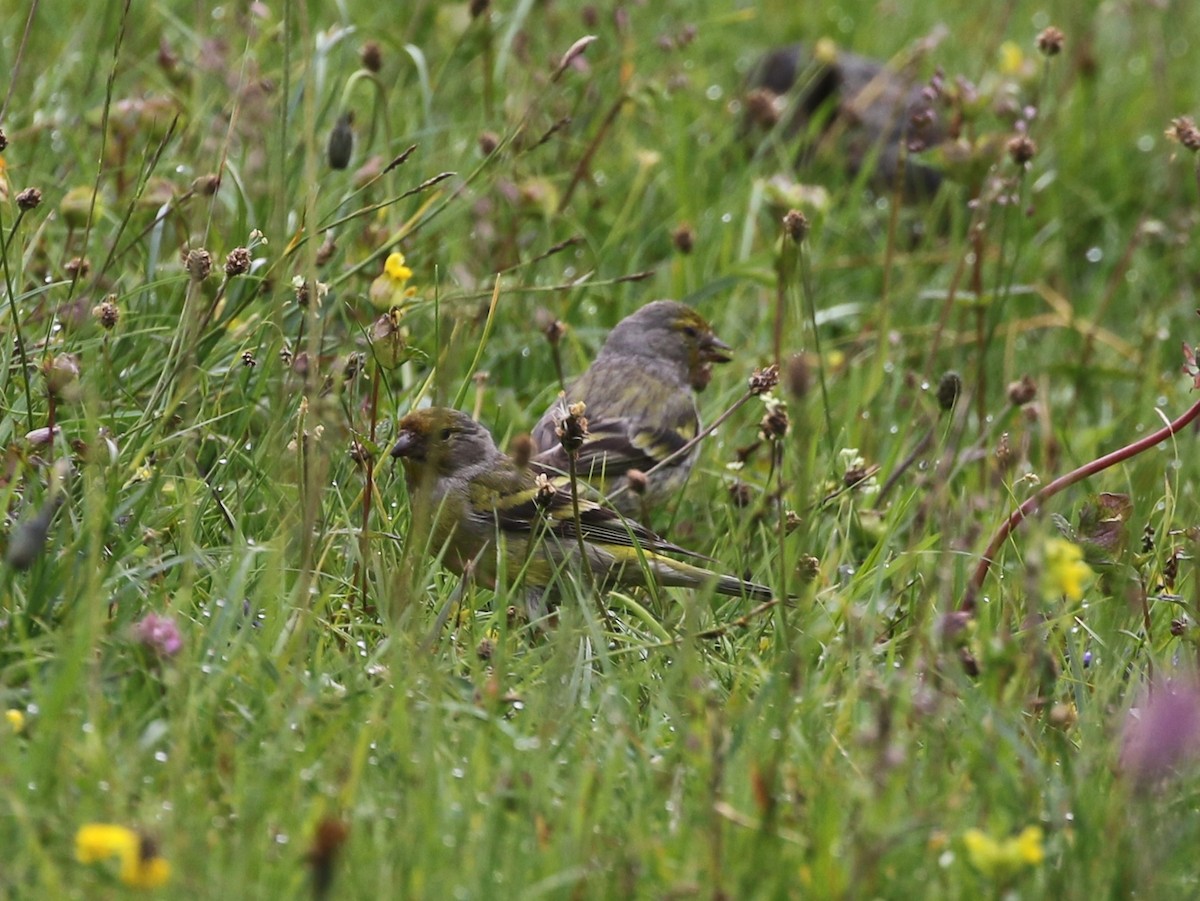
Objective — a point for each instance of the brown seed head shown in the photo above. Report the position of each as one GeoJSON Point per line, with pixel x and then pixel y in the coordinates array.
{"type": "Point", "coordinates": [488, 142]}
{"type": "Point", "coordinates": [107, 313]}
{"type": "Point", "coordinates": [523, 449]}
{"type": "Point", "coordinates": [1050, 41]}
{"type": "Point", "coordinates": [1183, 131]}
{"type": "Point", "coordinates": [327, 249]}
{"type": "Point", "coordinates": [808, 568]}
{"type": "Point", "coordinates": [1022, 149]}
{"type": "Point", "coordinates": [545, 491]}
{"type": "Point", "coordinates": [1005, 457]}
{"type": "Point", "coordinates": [29, 199]}
{"type": "Point", "coordinates": [359, 453]}
{"type": "Point", "coordinates": [572, 430]}
{"type": "Point", "coordinates": [1022, 391]}
{"type": "Point", "coordinates": [3, 141]}
{"type": "Point", "coordinates": [798, 376]}
{"type": "Point", "coordinates": [248, 360]}
{"type": "Point", "coordinates": [637, 481]}
{"type": "Point", "coordinates": [198, 263]}
{"type": "Point", "coordinates": [684, 238]}
{"type": "Point", "coordinates": [740, 494]}
{"type": "Point", "coordinates": [762, 107]}
{"type": "Point", "coordinates": [948, 390]}
{"type": "Point", "coordinates": [763, 380]}
{"type": "Point", "coordinates": [774, 424]}
{"type": "Point", "coordinates": [206, 185]}
{"type": "Point", "coordinates": [371, 56]}
{"type": "Point", "coordinates": [795, 225]}
{"type": "Point", "coordinates": [77, 267]}
{"type": "Point", "coordinates": [237, 262]}
{"type": "Point", "coordinates": [479, 7]}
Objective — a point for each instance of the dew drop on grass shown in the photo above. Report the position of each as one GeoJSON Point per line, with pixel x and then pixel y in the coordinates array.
{"type": "Point", "coordinates": [281, 838]}
{"type": "Point", "coordinates": [1145, 143]}
{"type": "Point", "coordinates": [727, 218]}
{"type": "Point", "coordinates": [88, 728]}
{"type": "Point", "coordinates": [103, 785]}
{"type": "Point", "coordinates": [160, 756]}
{"type": "Point", "coordinates": [1094, 255]}
{"type": "Point", "coordinates": [714, 92]}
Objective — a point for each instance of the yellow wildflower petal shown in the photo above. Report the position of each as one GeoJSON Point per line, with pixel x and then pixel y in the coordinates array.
{"type": "Point", "coordinates": [139, 871]}
{"type": "Point", "coordinates": [983, 851]}
{"type": "Point", "coordinates": [1011, 58]}
{"type": "Point", "coordinates": [826, 51]}
{"type": "Point", "coordinates": [395, 268]}
{"type": "Point", "coordinates": [1029, 844]}
{"type": "Point", "coordinates": [100, 841]}
{"type": "Point", "coordinates": [16, 719]}
{"type": "Point", "coordinates": [1066, 575]}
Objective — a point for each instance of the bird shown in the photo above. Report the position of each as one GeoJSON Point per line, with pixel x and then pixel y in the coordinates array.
{"type": "Point", "coordinates": [640, 401]}
{"type": "Point", "coordinates": [485, 510]}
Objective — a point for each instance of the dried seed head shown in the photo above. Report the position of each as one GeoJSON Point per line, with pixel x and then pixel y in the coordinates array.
{"type": "Point", "coordinates": [523, 449]}
{"type": "Point", "coordinates": [248, 360]}
{"type": "Point", "coordinates": [488, 142]}
{"type": "Point", "coordinates": [684, 238]}
{"type": "Point", "coordinates": [1022, 391]}
{"type": "Point", "coordinates": [545, 490]}
{"type": "Point", "coordinates": [1183, 131]}
{"type": "Point", "coordinates": [237, 262]}
{"type": "Point", "coordinates": [3, 141]}
{"type": "Point", "coordinates": [107, 313]}
{"type": "Point", "coordinates": [62, 375]}
{"type": "Point", "coordinates": [359, 453]}
{"type": "Point", "coordinates": [740, 494]}
{"type": "Point", "coordinates": [637, 481]}
{"type": "Point", "coordinates": [1005, 457]}
{"type": "Point", "coordinates": [198, 264]}
{"type": "Point", "coordinates": [763, 380]}
{"type": "Point", "coordinates": [795, 224]}
{"type": "Point", "coordinates": [29, 199]}
{"type": "Point", "coordinates": [774, 424]}
{"type": "Point", "coordinates": [552, 328]}
{"type": "Point", "coordinates": [479, 7]}
{"type": "Point", "coordinates": [948, 390]}
{"type": "Point", "coordinates": [77, 267]}
{"type": "Point", "coordinates": [371, 56]}
{"type": "Point", "coordinates": [808, 568]}
{"type": "Point", "coordinates": [1022, 149]}
{"type": "Point", "coordinates": [206, 185]}
{"type": "Point", "coordinates": [572, 430]}
{"type": "Point", "coordinates": [485, 649]}
{"type": "Point", "coordinates": [327, 249]}
{"type": "Point", "coordinates": [1050, 41]}
{"type": "Point", "coordinates": [341, 142]}
{"type": "Point", "coordinates": [798, 376]}
{"type": "Point", "coordinates": [762, 108]}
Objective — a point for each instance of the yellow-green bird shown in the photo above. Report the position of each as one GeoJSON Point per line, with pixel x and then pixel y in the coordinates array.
{"type": "Point", "coordinates": [641, 406]}
{"type": "Point", "coordinates": [483, 508]}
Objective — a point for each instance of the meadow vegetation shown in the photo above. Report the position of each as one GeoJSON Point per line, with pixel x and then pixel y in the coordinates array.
{"type": "Point", "coordinates": [239, 241]}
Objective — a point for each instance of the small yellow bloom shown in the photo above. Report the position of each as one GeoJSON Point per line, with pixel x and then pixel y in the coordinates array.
{"type": "Point", "coordinates": [395, 268]}
{"type": "Point", "coordinates": [141, 866]}
{"type": "Point", "coordinates": [1067, 575]}
{"type": "Point", "coordinates": [390, 288]}
{"type": "Point", "coordinates": [826, 51]}
{"type": "Point", "coordinates": [1012, 58]}
{"type": "Point", "coordinates": [16, 719]}
{"type": "Point", "coordinates": [1003, 859]}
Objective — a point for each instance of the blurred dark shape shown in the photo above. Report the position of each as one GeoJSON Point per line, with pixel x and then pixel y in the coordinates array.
{"type": "Point", "coordinates": [853, 108]}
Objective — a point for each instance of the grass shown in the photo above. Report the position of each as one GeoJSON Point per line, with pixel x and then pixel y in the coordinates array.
{"type": "Point", "coordinates": [201, 465]}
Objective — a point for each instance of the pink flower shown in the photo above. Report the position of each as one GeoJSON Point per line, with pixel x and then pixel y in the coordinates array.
{"type": "Point", "coordinates": [159, 634]}
{"type": "Point", "coordinates": [1163, 732]}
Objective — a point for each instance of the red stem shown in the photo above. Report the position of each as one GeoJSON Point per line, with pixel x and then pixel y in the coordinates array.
{"type": "Point", "coordinates": [1065, 481]}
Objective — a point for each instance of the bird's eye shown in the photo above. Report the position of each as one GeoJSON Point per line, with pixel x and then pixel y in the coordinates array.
{"type": "Point", "coordinates": [690, 331]}
{"type": "Point", "coordinates": [446, 433]}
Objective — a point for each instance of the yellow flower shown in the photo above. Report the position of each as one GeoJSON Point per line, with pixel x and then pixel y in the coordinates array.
{"type": "Point", "coordinates": [16, 719]}
{"type": "Point", "coordinates": [1029, 846]}
{"type": "Point", "coordinates": [826, 51]}
{"type": "Point", "coordinates": [1012, 58]}
{"type": "Point", "coordinates": [1067, 575]}
{"type": "Point", "coordinates": [141, 866]}
{"type": "Point", "coordinates": [390, 289]}
{"type": "Point", "coordinates": [1003, 859]}
{"type": "Point", "coordinates": [395, 268]}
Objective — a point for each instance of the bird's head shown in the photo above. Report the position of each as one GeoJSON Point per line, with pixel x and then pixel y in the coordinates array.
{"type": "Point", "coordinates": [675, 333]}
{"type": "Point", "coordinates": [440, 442]}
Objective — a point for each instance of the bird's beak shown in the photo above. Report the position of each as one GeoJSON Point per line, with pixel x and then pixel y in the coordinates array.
{"type": "Point", "coordinates": [714, 350]}
{"type": "Point", "coordinates": [407, 444]}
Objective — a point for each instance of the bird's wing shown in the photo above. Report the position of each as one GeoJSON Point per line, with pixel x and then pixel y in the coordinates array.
{"type": "Point", "coordinates": [614, 446]}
